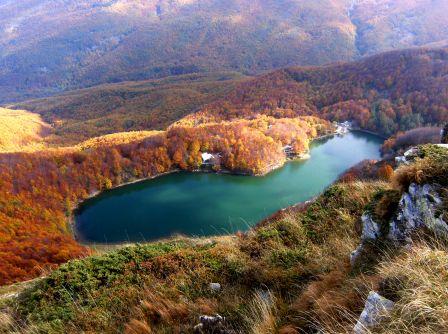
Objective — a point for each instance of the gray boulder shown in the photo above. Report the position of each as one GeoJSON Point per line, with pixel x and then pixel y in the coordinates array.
{"type": "Point", "coordinates": [215, 287]}
{"type": "Point", "coordinates": [417, 209]}
{"type": "Point", "coordinates": [211, 325]}
{"type": "Point", "coordinates": [375, 310]}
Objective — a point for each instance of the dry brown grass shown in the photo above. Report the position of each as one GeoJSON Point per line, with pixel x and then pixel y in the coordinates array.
{"type": "Point", "coordinates": [262, 317]}
{"type": "Point", "coordinates": [429, 167]}
{"type": "Point", "coordinates": [421, 277]}
{"type": "Point", "coordinates": [21, 131]}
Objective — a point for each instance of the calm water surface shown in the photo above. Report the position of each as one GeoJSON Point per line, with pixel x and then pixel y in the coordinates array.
{"type": "Point", "coordinates": [201, 204]}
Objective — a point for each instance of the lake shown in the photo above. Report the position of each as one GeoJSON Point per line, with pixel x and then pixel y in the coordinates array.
{"type": "Point", "coordinates": [203, 204]}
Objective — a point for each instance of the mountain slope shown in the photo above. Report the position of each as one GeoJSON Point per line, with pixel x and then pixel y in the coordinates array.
{"type": "Point", "coordinates": [396, 90]}
{"type": "Point", "coordinates": [385, 25]}
{"type": "Point", "coordinates": [129, 106]}
{"type": "Point", "coordinates": [393, 91]}
{"type": "Point", "coordinates": [51, 46]}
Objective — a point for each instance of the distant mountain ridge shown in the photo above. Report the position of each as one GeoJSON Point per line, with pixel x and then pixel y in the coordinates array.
{"type": "Point", "coordinates": [48, 47]}
{"type": "Point", "coordinates": [386, 93]}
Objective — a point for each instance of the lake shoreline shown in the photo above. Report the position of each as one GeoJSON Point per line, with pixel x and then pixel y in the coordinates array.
{"type": "Point", "coordinates": [77, 235]}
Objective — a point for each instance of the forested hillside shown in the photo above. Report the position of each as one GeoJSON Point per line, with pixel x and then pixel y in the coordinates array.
{"type": "Point", "coordinates": [49, 46]}
{"type": "Point", "coordinates": [390, 92]}
{"type": "Point", "coordinates": [393, 91]}
{"type": "Point", "coordinates": [39, 191]}
{"type": "Point", "coordinates": [129, 106]}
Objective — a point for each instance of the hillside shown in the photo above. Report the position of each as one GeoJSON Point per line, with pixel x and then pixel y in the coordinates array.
{"type": "Point", "coordinates": [392, 91]}
{"type": "Point", "coordinates": [48, 46]}
{"type": "Point", "coordinates": [384, 25]}
{"type": "Point", "coordinates": [21, 130]}
{"type": "Point", "coordinates": [130, 106]}
{"type": "Point", "coordinates": [294, 273]}
{"type": "Point", "coordinates": [386, 93]}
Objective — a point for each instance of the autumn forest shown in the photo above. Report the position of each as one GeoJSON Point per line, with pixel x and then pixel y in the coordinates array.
{"type": "Point", "coordinates": [248, 128]}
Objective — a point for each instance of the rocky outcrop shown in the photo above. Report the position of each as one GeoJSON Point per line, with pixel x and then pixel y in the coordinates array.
{"type": "Point", "coordinates": [370, 231]}
{"type": "Point", "coordinates": [418, 208]}
{"type": "Point", "coordinates": [375, 309]}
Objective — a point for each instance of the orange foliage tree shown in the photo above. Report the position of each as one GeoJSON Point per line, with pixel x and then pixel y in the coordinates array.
{"type": "Point", "coordinates": [39, 191]}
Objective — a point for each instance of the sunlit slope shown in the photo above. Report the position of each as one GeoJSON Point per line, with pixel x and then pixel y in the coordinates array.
{"type": "Point", "coordinates": [390, 24]}
{"type": "Point", "coordinates": [21, 130]}
{"type": "Point", "coordinates": [47, 46]}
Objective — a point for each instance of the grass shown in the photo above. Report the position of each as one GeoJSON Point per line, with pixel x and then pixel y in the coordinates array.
{"type": "Point", "coordinates": [164, 287]}
{"type": "Point", "coordinates": [288, 275]}
{"type": "Point", "coordinates": [430, 166]}
{"type": "Point", "coordinates": [21, 130]}
{"type": "Point", "coordinates": [420, 281]}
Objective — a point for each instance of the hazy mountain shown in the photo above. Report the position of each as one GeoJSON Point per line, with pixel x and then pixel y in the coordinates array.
{"type": "Point", "coordinates": [47, 46]}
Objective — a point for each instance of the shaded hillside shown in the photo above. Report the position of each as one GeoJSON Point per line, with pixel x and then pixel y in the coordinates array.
{"type": "Point", "coordinates": [392, 91]}
{"type": "Point", "coordinates": [129, 106]}
{"type": "Point", "coordinates": [385, 25]}
{"type": "Point", "coordinates": [49, 46]}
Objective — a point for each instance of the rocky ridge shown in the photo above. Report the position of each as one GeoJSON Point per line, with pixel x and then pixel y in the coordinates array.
{"type": "Point", "coordinates": [419, 208]}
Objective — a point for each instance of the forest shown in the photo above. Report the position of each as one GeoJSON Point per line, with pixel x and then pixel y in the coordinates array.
{"type": "Point", "coordinates": [127, 106]}
{"type": "Point", "coordinates": [386, 93]}
{"type": "Point", "coordinates": [39, 191]}
{"type": "Point", "coordinates": [246, 127]}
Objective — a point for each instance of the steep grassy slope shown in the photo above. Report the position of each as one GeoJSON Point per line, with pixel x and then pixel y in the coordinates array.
{"type": "Point", "coordinates": [49, 46]}
{"type": "Point", "coordinates": [130, 106]}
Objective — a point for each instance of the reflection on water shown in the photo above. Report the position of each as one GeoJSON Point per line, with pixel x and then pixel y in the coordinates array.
{"type": "Point", "coordinates": [200, 204]}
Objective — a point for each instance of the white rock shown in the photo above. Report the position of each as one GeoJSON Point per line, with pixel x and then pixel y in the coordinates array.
{"type": "Point", "coordinates": [375, 309]}
{"type": "Point", "coordinates": [215, 287]}
{"type": "Point", "coordinates": [370, 229]}
{"type": "Point", "coordinates": [417, 209]}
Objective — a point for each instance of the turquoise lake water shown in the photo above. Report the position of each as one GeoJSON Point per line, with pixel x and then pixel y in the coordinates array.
{"type": "Point", "coordinates": [202, 204]}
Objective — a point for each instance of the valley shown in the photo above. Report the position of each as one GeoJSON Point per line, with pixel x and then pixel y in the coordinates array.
{"type": "Point", "coordinates": [220, 203]}
{"type": "Point", "coordinates": [223, 167]}
{"type": "Point", "coordinates": [246, 121]}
